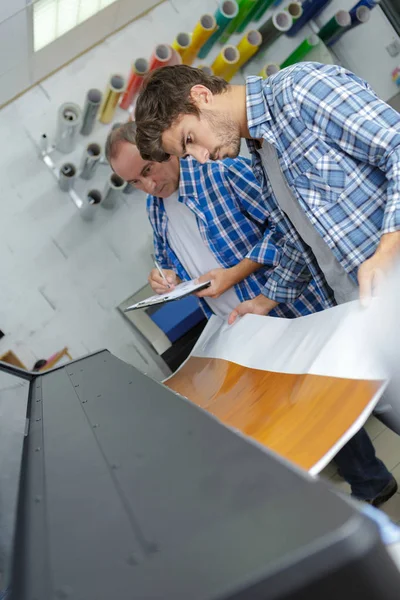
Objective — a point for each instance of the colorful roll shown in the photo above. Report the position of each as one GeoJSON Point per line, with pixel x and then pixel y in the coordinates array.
{"type": "Point", "coordinates": [139, 69]}
{"type": "Point", "coordinates": [268, 70]}
{"type": "Point", "coordinates": [248, 46]}
{"type": "Point", "coordinates": [206, 69]}
{"type": "Point", "coordinates": [340, 21]}
{"type": "Point", "coordinates": [161, 56]}
{"type": "Point", "coordinates": [368, 3]}
{"type": "Point", "coordinates": [181, 43]}
{"type": "Point", "coordinates": [311, 9]}
{"type": "Point", "coordinates": [201, 34]}
{"type": "Point", "coordinates": [69, 123]}
{"type": "Point", "coordinates": [272, 29]}
{"type": "Point", "coordinates": [244, 7]}
{"type": "Point", "coordinates": [295, 10]}
{"type": "Point", "coordinates": [226, 12]}
{"type": "Point", "coordinates": [225, 65]}
{"type": "Point", "coordinates": [301, 51]}
{"type": "Point", "coordinates": [246, 16]}
{"type": "Point", "coordinates": [113, 93]}
{"type": "Point", "coordinates": [250, 16]}
{"type": "Point", "coordinates": [358, 16]}
{"type": "Point", "coordinates": [90, 110]}
{"type": "Point", "coordinates": [262, 9]}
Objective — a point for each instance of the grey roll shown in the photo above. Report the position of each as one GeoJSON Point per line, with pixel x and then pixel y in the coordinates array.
{"type": "Point", "coordinates": [90, 110]}
{"type": "Point", "coordinates": [69, 121]}
{"type": "Point", "coordinates": [128, 189]}
{"type": "Point", "coordinates": [90, 160]}
{"type": "Point", "coordinates": [66, 177]}
{"type": "Point", "coordinates": [90, 204]}
{"type": "Point", "coordinates": [112, 190]}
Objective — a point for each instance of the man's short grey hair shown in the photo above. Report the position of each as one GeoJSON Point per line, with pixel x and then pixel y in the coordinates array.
{"type": "Point", "coordinates": [122, 133]}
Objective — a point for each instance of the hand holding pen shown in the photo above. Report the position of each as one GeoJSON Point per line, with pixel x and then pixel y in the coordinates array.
{"type": "Point", "coordinates": [162, 280]}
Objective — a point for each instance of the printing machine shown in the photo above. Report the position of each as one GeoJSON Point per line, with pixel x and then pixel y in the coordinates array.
{"type": "Point", "coordinates": [129, 491]}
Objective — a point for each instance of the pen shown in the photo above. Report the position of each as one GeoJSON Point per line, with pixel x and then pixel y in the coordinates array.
{"type": "Point", "coordinates": [160, 270]}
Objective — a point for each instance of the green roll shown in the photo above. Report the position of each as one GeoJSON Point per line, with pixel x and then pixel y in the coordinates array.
{"type": "Point", "coordinates": [262, 9]}
{"type": "Point", "coordinates": [301, 51]}
{"type": "Point", "coordinates": [331, 29]}
{"type": "Point", "coordinates": [250, 15]}
{"type": "Point", "coordinates": [227, 11]}
{"type": "Point", "coordinates": [244, 8]}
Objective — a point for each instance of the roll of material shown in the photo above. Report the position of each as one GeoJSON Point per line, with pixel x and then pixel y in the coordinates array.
{"type": "Point", "coordinates": [272, 29]}
{"type": "Point", "coordinates": [225, 65]}
{"type": "Point", "coordinates": [69, 123]}
{"type": "Point", "coordinates": [358, 16]}
{"type": "Point", "coordinates": [301, 51]}
{"type": "Point", "coordinates": [181, 43]}
{"type": "Point", "coordinates": [244, 7]}
{"type": "Point", "coordinates": [89, 205]}
{"type": "Point", "coordinates": [112, 191]}
{"type": "Point", "coordinates": [248, 46]}
{"type": "Point", "coordinates": [139, 69]}
{"type": "Point", "coordinates": [311, 9]}
{"type": "Point", "coordinates": [206, 69]}
{"type": "Point", "coordinates": [246, 17]}
{"type": "Point", "coordinates": [295, 10]}
{"type": "Point", "coordinates": [368, 3]}
{"type": "Point", "coordinates": [227, 11]}
{"type": "Point", "coordinates": [111, 98]}
{"type": "Point", "coordinates": [251, 15]}
{"type": "Point", "coordinates": [90, 161]}
{"type": "Point", "coordinates": [262, 9]}
{"type": "Point", "coordinates": [90, 110]}
{"type": "Point", "coordinates": [67, 176]}
{"type": "Point", "coordinates": [268, 70]}
{"type": "Point", "coordinates": [43, 144]}
{"type": "Point", "coordinates": [201, 34]}
{"type": "Point", "coordinates": [335, 26]}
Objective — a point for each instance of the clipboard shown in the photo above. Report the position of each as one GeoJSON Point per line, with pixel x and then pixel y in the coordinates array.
{"type": "Point", "coordinates": [182, 290]}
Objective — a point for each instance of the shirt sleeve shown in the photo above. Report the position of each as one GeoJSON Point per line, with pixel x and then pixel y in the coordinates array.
{"type": "Point", "coordinates": [340, 107]}
{"type": "Point", "coordinates": [160, 249]}
{"type": "Point", "coordinates": [290, 273]}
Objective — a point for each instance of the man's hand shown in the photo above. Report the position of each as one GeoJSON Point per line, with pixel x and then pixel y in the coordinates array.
{"type": "Point", "coordinates": [260, 305]}
{"type": "Point", "coordinates": [221, 280]}
{"type": "Point", "coordinates": [158, 284]}
{"type": "Point", "coordinates": [373, 271]}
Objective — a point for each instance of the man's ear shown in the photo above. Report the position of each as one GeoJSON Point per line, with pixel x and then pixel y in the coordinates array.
{"type": "Point", "coordinates": [201, 96]}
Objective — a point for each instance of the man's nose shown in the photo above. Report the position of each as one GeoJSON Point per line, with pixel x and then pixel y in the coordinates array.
{"type": "Point", "coordinates": [200, 154]}
{"type": "Point", "coordinates": [149, 186]}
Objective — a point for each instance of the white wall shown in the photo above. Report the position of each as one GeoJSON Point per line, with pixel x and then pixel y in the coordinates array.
{"type": "Point", "coordinates": [20, 67]}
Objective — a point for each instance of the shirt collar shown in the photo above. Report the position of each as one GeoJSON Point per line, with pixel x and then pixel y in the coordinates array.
{"type": "Point", "coordinates": [187, 179]}
{"type": "Point", "coordinates": [258, 113]}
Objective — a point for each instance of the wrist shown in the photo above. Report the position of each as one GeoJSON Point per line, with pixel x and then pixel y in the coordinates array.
{"type": "Point", "coordinates": [266, 303]}
{"type": "Point", "coordinates": [389, 244]}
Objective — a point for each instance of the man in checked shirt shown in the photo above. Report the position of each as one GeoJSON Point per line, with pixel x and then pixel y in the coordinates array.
{"type": "Point", "coordinates": [209, 218]}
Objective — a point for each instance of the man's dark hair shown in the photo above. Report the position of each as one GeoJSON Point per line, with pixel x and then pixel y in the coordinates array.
{"type": "Point", "coordinates": [123, 133]}
{"type": "Point", "coordinates": [165, 96]}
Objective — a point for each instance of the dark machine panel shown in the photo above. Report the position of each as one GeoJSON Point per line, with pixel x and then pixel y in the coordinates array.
{"type": "Point", "coordinates": [129, 491]}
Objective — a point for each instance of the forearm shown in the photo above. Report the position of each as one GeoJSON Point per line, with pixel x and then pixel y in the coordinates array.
{"type": "Point", "coordinates": [389, 245]}
{"type": "Point", "coordinates": [243, 269]}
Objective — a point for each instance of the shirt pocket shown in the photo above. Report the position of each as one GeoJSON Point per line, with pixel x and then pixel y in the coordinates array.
{"type": "Point", "coordinates": [322, 177]}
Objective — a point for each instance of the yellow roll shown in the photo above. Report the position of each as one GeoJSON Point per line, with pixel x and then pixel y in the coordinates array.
{"type": "Point", "coordinates": [111, 98]}
{"type": "Point", "coordinates": [225, 65]}
{"type": "Point", "coordinates": [248, 46]}
{"type": "Point", "coordinates": [269, 69]}
{"type": "Point", "coordinates": [181, 43]}
{"type": "Point", "coordinates": [203, 30]}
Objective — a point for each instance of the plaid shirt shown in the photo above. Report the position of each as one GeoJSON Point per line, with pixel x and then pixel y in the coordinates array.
{"type": "Point", "coordinates": [233, 222]}
{"type": "Point", "coordinates": [339, 149]}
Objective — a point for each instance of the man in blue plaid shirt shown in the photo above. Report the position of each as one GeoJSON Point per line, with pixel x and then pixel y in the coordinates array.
{"type": "Point", "coordinates": [331, 149]}
{"type": "Point", "coordinates": [209, 218]}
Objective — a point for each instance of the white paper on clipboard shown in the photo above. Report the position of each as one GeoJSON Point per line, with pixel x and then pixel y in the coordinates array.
{"type": "Point", "coordinates": [180, 291]}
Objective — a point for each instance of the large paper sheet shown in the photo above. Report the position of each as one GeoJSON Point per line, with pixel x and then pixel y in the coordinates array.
{"type": "Point", "coordinates": [326, 347]}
